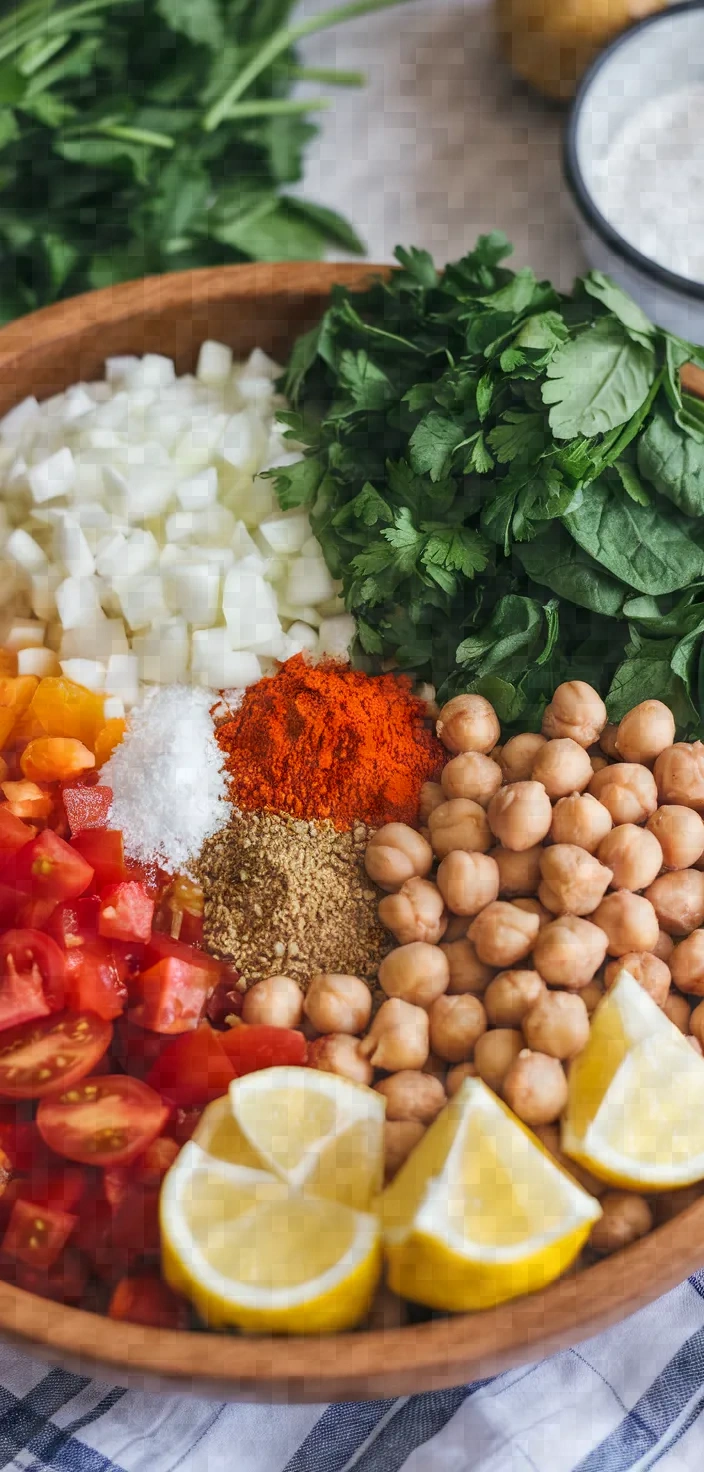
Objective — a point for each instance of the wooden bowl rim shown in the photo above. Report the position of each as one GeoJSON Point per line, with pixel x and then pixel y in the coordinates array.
{"type": "Point", "coordinates": [441, 1352]}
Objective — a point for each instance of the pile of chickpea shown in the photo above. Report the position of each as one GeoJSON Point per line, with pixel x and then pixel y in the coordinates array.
{"type": "Point", "coordinates": [560, 857]}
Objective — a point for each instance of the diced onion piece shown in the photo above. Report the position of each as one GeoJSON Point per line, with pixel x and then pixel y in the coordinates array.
{"type": "Point", "coordinates": [336, 634]}
{"type": "Point", "coordinates": [118, 369]}
{"type": "Point", "coordinates": [53, 477]}
{"type": "Point", "coordinates": [214, 362]}
{"type": "Point", "coordinates": [14, 424]}
{"type": "Point", "coordinates": [151, 371]}
{"type": "Point", "coordinates": [199, 490]}
{"type": "Point", "coordinates": [244, 441]}
{"type": "Point", "coordinates": [77, 602]}
{"type": "Point", "coordinates": [215, 663]}
{"type": "Point", "coordinates": [141, 600]}
{"type": "Point", "coordinates": [98, 640]}
{"type": "Point", "coordinates": [87, 672]}
{"type": "Point", "coordinates": [249, 606]}
{"type": "Point", "coordinates": [193, 590]}
{"type": "Point", "coordinates": [286, 533]}
{"type": "Point", "coordinates": [260, 365]}
{"type": "Point", "coordinates": [308, 581]}
{"type": "Point", "coordinates": [24, 633]}
{"type": "Point", "coordinates": [27, 553]}
{"type": "Point", "coordinates": [113, 708]}
{"type": "Point", "coordinates": [300, 636]}
{"type": "Point", "coordinates": [163, 653]}
{"type": "Point", "coordinates": [71, 547]}
{"type": "Point", "coordinates": [40, 662]}
{"type": "Point", "coordinates": [122, 678]}
{"type": "Point", "coordinates": [43, 592]}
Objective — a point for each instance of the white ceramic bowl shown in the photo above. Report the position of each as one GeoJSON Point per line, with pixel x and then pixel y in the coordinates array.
{"type": "Point", "coordinates": [655, 57]}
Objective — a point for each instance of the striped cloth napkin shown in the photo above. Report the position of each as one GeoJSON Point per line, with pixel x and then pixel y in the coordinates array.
{"type": "Point", "coordinates": [631, 1399]}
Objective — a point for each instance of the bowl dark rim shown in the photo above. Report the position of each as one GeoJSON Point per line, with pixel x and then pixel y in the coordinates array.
{"type": "Point", "coordinates": [575, 179]}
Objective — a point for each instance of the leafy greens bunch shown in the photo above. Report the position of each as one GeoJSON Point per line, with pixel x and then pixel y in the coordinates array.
{"type": "Point", "coordinates": [509, 481]}
{"type": "Point", "coordinates": [142, 136]}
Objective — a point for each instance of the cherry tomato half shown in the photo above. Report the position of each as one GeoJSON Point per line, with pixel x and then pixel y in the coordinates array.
{"type": "Point", "coordinates": [51, 1054]}
{"type": "Point", "coordinates": [36, 1235]}
{"type": "Point", "coordinates": [105, 1120]}
{"type": "Point", "coordinates": [94, 981]}
{"type": "Point", "coordinates": [32, 969]}
{"type": "Point", "coordinates": [149, 1301]}
{"type": "Point", "coordinates": [193, 1069]}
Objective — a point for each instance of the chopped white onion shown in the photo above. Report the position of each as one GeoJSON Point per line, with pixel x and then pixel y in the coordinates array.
{"type": "Point", "coordinates": [87, 672]}
{"type": "Point", "coordinates": [39, 662]}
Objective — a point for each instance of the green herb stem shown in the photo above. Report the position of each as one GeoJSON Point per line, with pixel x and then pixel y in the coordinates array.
{"type": "Point", "coordinates": [278, 107]}
{"type": "Point", "coordinates": [326, 75]}
{"type": "Point", "coordinates": [282, 40]}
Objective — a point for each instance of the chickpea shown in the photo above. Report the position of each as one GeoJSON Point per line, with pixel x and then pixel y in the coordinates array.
{"type": "Point", "coordinates": [455, 1025]}
{"type": "Point", "coordinates": [519, 873]}
{"type": "Point", "coordinates": [535, 1087]}
{"type": "Point", "coordinates": [549, 1136]}
{"type": "Point", "coordinates": [664, 947]}
{"type": "Point", "coordinates": [650, 973]}
{"type": "Point", "coordinates": [412, 1095]}
{"type": "Point", "coordinates": [569, 952]}
{"type": "Point", "coordinates": [495, 753]}
{"type": "Point", "coordinates": [573, 881]}
{"type": "Point", "coordinates": [337, 1003]}
{"type": "Point", "coordinates": [276, 1001]}
{"type": "Point", "coordinates": [396, 853]}
{"type": "Point", "coordinates": [592, 994]}
{"type": "Point", "coordinates": [468, 723]}
{"type": "Point", "coordinates": [629, 921]}
{"type": "Point", "coordinates": [467, 972]}
{"type": "Point", "coordinates": [534, 907]}
{"type": "Point", "coordinates": [678, 1010]}
{"type": "Point", "coordinates": [502, 934]}
{"type": "Point", "coordinates": [398, 1038]}
{"type": "Point", "coordinates": [679, 773]}
{"type": "Point", "coordinates": [520, 815]}
{"type": "Point", "coordinates": [687, 964]}
{"type": "Point", "coordinates": [494, 1053]}
{"type": "Point", "coordinates": [645, 732]}
{"type": "Point", "coordinates": [696, 1023]}
{"type": "Point", "coordinates": [431, 796]}
{"type": "Point", "coordinates": [459, 824]}
{"type": "Point", "coordinates": [510, 996]}
{"type": "Point", "coordinates": [472, 775]}
{"type": "Point", "coordinates": [417, 973]}
{"type": "Point", "coordinates": [626, 1217]}
{"type": "Point", "coordinates": [400, 1137]}
{"type": "Point", "coordinates": [435, 1068]}
{"type": "Point", "coordinates": [576, 710]}
{"type": "Point", "coordinates": [680, 833]}
{"type": "Point", "coordinates": [678, 901]}
{"type": "Point", "coordinates": [340, 1054]}
{"type": "Point", "coordinates": [627, 790]}
{"type": "Point", "coordinates": [563, 767]}
{"type": "Point", "coordinates": [458, 1074]}
{"type": "Point", "coordinates": [457, 926]}
{"type": "Point", "coordinates": [607, 742]}
{"type": "Point", "coordinates": [598, 762]}
{"type": "Point", "coordinates": [633, 855]}
{"type": "Point", "coordinates": [468, 882]}
{"type": "Point", "coordinates": [558, 1025]}
{"type": "Point", "coordinates": [580, 819]}
{"type": "Point", "coordinates": [519, 754]}
{"type": "Point", "coordinates": [415, 912]}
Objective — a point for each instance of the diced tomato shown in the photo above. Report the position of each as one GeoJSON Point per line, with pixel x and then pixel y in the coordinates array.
{"type": "Point", "coordinates": [75, 922]}
{"type": "Point", "coordinates": [226, 1001]}
{"type": "Point", "coordinates": [94, 981]}
{"type": "Point", "coordinates": [54, 758]}
{"type": "Point", "coordinates": [183, 1125]}
{"type": "Point", "coordinates": [161, 947]}
{"type": "Point", "coordinates": [135, 1231]}
{"type": "Point", "coordinates": [149, 1301]}
{"type": "Point", "coordinates": [193, 1069]}
{"type": "Point", "coordinates": [14, 832]}
{"type": "Point", "coordinates": [103, 849]}
{"type": "Point", "coordinates": [103, 1121]}
{"type": "Point", "coordinates": [54, 869]}
{"type": "Point", "coordinates": [255, 1046]}
{"type": "Point", "coordinates": [126, 912]}
{"type": "Point", "coordinates": [87, 807]}
{"type": "Point", "coordinates": [51, 1054]}
{"type": "Point", "coordinates": [60, 1186]}
{"type": "Point", "coordinates": [174, 995]}
{"type": "Point", "coordinates": [32, 969]}
{"type": "Point", "coordinates": [37, 1234]}
{"type": "Point", "coordinates": [22, 1143]}
{"type": "Point", "coordinates": [65, 1282]}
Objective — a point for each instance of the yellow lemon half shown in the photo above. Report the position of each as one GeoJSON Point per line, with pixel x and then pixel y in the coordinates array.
{"type": "Point", "coordinates": [635, 1111]}
{"type": "Point", "coordinates": [479, 1213]}
{"type": "Point", "coordinates": [251, 1253]}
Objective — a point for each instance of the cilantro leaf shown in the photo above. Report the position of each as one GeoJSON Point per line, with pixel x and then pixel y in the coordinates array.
{"type": "Point", "coordinates": [597, 380]}
{"type": "Point", "coordinates": [433, 444]}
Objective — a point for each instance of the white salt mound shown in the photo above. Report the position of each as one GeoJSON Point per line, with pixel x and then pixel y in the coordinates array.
{"type": "Point", "coordinates": [169, 789]}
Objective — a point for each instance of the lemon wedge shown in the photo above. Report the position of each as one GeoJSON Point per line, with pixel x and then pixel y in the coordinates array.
{"type": "Point", "coordinates": [635, 1109]}
{"type": "Point", "coordinates": [480, 1213]}
{"type": "Point", "coordinates": [265, 1219]}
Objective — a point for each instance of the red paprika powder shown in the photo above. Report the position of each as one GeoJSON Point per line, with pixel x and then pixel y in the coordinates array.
{"type": "Point", "coordinates": [326, 741]}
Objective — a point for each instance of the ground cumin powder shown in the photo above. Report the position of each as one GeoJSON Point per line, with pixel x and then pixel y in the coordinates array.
{"type": "Point", "coordinates": [288, 897]}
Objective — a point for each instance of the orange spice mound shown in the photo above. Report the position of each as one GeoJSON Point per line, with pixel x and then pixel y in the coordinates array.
{"type": "Point", "coordinates": [325, 741]}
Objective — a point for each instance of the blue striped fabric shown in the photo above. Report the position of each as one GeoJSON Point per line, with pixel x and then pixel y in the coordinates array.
{"type": "Point", "coordinates": [624, 1401]}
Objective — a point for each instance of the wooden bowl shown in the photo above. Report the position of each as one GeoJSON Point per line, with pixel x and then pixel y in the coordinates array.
{"type": "Point", "coordinates": [268, 306]}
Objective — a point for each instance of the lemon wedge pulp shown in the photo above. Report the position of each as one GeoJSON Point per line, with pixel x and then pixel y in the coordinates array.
{"type": "Point", "coordinates": [265, 1216]}
{"type": "Point", "coordinates": [635, 1109]}
{"type": "Point", "coordinates": [479, 1213]}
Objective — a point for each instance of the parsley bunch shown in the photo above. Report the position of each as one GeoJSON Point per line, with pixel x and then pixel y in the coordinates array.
{"type": "Point", "coordinates": [509, 482]}
{"type": "Point", "coordinates": [141, 136]}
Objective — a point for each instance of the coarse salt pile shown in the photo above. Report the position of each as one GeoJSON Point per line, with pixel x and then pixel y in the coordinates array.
{"type": "Point", "coordinates": [169, 790]}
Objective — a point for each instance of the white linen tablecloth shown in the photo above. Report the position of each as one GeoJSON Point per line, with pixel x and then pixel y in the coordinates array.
{"type": "Point", "coordinates": [440, 146]}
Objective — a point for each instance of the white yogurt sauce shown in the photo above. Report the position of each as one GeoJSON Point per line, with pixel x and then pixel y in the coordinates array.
{"type": "Point", "coordinates": [650, 184]}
